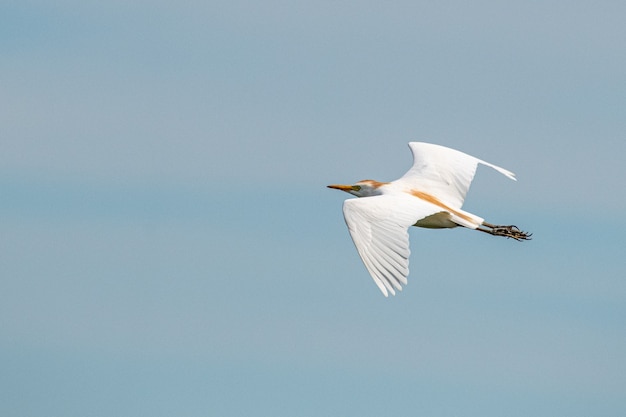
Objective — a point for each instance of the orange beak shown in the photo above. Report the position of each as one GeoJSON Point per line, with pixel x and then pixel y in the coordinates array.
{"type": "Point", "coordinates": [346, 188]}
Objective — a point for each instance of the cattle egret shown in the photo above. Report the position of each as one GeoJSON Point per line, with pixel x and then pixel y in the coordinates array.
{"type": "Point", "coordinates": [429, 195]}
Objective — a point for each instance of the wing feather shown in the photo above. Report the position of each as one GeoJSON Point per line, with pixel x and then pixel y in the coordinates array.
{"type": "Point", "coordinates": [446, 173]}
{"type": "Point", "coordinates": [379, 226]}
{"type": "Point", "coordinates": [388, 256]}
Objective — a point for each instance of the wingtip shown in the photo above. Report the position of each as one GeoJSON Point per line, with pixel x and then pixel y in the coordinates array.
{"type": "Point", "coordinates": [503, 171]}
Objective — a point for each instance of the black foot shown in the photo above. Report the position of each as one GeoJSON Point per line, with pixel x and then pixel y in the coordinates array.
{"type": "Point", "coordinates": [512, 232]}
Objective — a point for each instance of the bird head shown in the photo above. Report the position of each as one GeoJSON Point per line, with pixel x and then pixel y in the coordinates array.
{"type": "Point", "coordinates": [364, 188]}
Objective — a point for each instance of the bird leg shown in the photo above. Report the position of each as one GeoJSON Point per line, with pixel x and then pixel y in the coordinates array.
{"type": "Point", "coordinates": [506, 231]}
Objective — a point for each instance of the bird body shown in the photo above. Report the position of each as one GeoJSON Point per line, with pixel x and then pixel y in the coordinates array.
{"type": "Point", "coordinates": [429, 195]}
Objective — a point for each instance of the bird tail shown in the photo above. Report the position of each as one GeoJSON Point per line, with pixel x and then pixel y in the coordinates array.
{"type": "Point", "coordinates": [466, 219]}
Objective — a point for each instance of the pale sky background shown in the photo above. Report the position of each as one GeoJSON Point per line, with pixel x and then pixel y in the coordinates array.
{"type": "Point", "coordinates": [168, 246]}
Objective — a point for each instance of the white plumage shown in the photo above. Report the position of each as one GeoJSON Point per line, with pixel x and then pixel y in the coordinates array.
{"type": "Point", "coordinates": [429, 195]}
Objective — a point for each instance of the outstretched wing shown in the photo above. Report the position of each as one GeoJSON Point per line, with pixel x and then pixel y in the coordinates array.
{"type": "Point", "coordinates": [443, 172]}
{"type": "Point", "coordinates": [379, 229]}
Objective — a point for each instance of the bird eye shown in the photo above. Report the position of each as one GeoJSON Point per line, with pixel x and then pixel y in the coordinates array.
{"type": "Point", "coordinates": [356, 187]}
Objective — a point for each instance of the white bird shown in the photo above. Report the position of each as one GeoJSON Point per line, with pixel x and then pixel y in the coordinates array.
{"type": "Point", "coordinates": [429, 195]}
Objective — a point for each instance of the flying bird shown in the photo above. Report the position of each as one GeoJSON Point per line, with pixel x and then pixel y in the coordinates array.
{"type": "Point", "coordinates": [429, 195]}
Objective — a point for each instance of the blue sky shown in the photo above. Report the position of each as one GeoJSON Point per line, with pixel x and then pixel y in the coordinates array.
{"type": "Point", "coordinates": [168, 246]}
